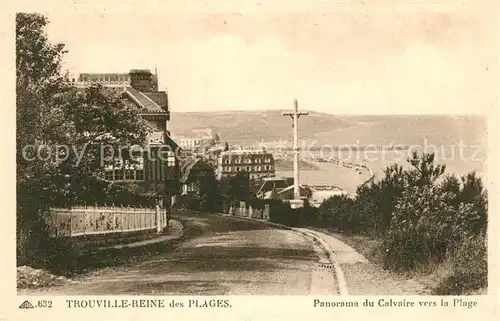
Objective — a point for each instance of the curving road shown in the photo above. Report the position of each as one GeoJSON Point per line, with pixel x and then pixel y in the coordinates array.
{"type": "Point", "coordinates": [221, 256]}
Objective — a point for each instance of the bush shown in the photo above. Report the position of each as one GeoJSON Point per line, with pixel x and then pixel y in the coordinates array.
{"type": "Point", "coordinates": [281, 212]}
{"type": "Point", "coordinates": [39, 249]}
{"type": "Point", "coordinates": [468, 268]}
{"type": "Point", "coordinates": [336, 213]}
{"type": "Point", "coordinates": [422, 218]}
{"type": "Point", "coordinates": [35, 196]}
{"type": "Point", "coordinates": [418, 231]}
{"type": "Point", "coordinates": [212, 203]}
{"type": "Point", "coordinates": [428, 222]}
{"type": "Point", "coordinates": [307, 215]}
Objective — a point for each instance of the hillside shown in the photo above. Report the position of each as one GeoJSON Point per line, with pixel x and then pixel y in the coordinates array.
{"type": "Point", "coordinates": [251, 127]}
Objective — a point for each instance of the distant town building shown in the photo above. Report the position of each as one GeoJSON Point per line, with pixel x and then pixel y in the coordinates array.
{"type": "Point", "coordinates": [272, 186]}
{"type": "Point", "coordinates": [202, 138]}
{"type": "Point", "coordinates": [257, 163]}
{"type": "Point", "coordinates": [139, 87]}
{"type": "Point", "coordinates": [188, 142]}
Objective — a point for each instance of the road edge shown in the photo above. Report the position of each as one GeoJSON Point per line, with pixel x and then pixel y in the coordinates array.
{"type": "Point", "coordinates": [339, 274]}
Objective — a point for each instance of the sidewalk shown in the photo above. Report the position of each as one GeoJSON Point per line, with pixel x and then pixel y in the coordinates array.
{"type": "Point", "coordinates": [363, 277]}
{"type": "Point", "coordinates": [175, 232]}
{"type": "Point", "coordinates": [355, 274]}
{"type": "Point", "coordinates": [342, 253]}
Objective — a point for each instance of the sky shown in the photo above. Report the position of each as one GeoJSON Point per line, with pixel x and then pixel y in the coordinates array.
{"type": "Point", "coordinates": [353, 62]}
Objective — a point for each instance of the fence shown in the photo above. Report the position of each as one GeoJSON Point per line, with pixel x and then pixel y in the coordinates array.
{"type": "Point", "coordinates": [244, 211]}
{"type": "Point", "coordinates": [92, 220]}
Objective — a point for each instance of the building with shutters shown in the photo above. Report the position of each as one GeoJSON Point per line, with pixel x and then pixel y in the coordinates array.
{"type": "Point", "coordinates": [257, 163]}
{"type": "Point", "coordinates": [158, 168]}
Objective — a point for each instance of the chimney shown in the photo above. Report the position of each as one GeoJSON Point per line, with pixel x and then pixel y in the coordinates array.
{"type": "Point", "coordinates": [141, 79]}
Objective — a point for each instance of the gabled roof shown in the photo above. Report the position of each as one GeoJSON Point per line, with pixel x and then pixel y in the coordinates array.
{"type": "Point", "coordinates": [159, 97]}
{"type": "Point", "coordinates": [188, 163]}
{"type": "Point", "coordinates": [156, 137]}
{"type": "Point", "coordinates": [286, 189]}
{"type": "Point", "coordinates": [145, 103]}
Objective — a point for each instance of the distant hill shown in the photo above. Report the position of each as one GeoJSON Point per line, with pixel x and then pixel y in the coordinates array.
{"type": "Point", "coordinates": [251, 127]}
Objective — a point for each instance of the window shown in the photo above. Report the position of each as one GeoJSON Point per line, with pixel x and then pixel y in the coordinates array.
{"type": "Point", "coordinates": [118, 174]}
{"type": "Point", "coordinates": [248, 168]}
{"type": "Point", "coordinates": [267, 167]}
{"type": "Point", "coordinates": [108, 175]}
{"type": "Point", "coordinates": [129, 174]}
{"type": "Point", "coordinates": [237, 168]}
{"type": "Point", "coordinates": [171, 162]}
{"type": "Point", "coordinates": [139, 175]}
{"type": "Point", "coordinates": [170, 159]}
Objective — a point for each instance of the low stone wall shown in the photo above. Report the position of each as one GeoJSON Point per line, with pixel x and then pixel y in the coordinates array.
{"type": "Point", "coordinates": [91, 242]}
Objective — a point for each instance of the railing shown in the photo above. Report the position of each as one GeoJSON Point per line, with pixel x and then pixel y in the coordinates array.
{"type": "Point", "coordinates": [92, 220]}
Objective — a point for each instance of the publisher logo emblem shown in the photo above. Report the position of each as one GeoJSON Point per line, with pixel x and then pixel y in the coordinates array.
{"type": "Point", "coordinates": [26, 305]}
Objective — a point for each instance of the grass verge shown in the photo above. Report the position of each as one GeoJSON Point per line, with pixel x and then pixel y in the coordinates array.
{"type": "Point", "coordinates": [464, 272]}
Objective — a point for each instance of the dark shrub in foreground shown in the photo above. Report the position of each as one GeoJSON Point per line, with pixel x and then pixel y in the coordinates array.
{"type": "Point", "coordinates": [423, 217]}
{"type": "Point", "coordinates": [468, 268]}
{"type": "Point", "coordinates": [280, 212]}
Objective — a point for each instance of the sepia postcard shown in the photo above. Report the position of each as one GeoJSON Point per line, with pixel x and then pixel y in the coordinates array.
{"type": "Point", "coordinates": [250, 161]}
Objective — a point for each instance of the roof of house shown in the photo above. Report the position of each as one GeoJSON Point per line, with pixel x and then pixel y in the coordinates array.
{"type": "Point", "coordinates": [286, 189]}
{"type": "Point", "coordinates": [159, 97]}
{"type": "Point", "coordinates": [140, 71]}
{"type": "Point", "coordinates": [188, 163]}
{"type": "Point", "coordinates": [146, 103]}
{"type": "Point", "coordinates": [156, 137]}
{"type": "Point", "coordinates": [246, 152]}
{"type": "Point", "coordinates": [98, 77]}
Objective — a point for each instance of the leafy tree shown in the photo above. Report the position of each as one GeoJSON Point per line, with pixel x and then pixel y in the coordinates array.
{"type": "Point", "coordinates": [240, 186]}
{"type": "Point", "coordinates": [51, 113]}
{"type": "Point", "coordinates": [474, 193]}
{"type": "Point", "coordinates": [426, 170]}
{"type": "Point", "coordinates": [209, 192]}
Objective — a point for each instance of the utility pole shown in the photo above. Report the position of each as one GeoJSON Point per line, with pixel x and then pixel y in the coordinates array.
{"type": "Point", "coordinates": [296, 151]}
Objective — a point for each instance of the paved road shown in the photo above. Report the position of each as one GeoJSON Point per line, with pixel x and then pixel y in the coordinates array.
{"type": "Point", "coordinates": [223, 256]}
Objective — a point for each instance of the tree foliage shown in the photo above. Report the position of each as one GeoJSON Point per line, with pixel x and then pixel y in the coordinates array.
{"type": "Point", "coordinates": [60, 128]}
{"type": "Point", "coordinates": [423, 216]}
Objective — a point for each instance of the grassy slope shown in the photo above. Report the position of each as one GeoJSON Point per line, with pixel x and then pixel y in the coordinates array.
{"type": "Point", "coordinates": [370, 249]}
